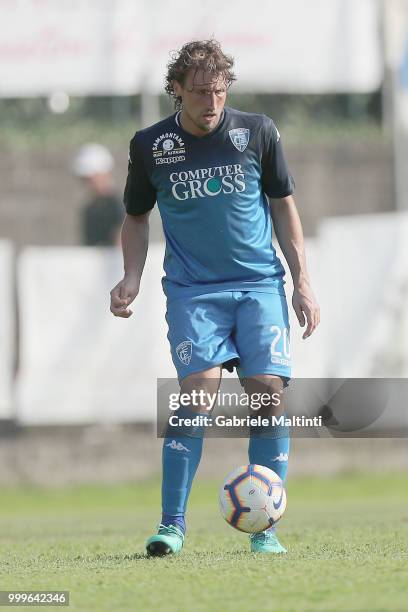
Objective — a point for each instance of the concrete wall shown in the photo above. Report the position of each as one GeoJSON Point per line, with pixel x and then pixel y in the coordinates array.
{"type": "Point", "coordinates": [40, 200]}
{"type": "Point", "coordinates": [60, 456]}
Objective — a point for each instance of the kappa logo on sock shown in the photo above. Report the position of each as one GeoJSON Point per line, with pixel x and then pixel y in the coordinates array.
{"type": "Point", "coordinates": [184, 351]}
{"type": "Point", "coordinates": [281, 457]}
{"type": "Point", "coordinates": [177, 446]}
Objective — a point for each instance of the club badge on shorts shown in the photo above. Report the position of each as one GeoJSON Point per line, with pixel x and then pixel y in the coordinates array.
{"type": "Point", "coordinates": [239, 138]}
{"type": "Point", "coordinates": [184, 351]}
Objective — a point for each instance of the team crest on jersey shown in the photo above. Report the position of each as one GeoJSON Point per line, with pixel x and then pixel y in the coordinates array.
{"type": "Point", "coordinates": [184, 351]}
{"type": "Point", "coordinates": [168, 148]}
{"type": "Point", "coordinates": [239, 138]}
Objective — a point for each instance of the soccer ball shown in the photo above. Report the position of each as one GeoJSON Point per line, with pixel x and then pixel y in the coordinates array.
{"type": "Point", "coordinates": [252, 498]}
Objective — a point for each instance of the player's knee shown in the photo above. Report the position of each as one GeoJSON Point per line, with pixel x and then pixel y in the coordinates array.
{"type": "Point", "coordinates": [200, 390]}
{"type": "Point", "coordinates": [184, 422]}
{"type": "Point", "coordinates": [266, 394]}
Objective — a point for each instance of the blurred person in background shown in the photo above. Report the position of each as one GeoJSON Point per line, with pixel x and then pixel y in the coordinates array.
{"type": "Point", "coordinates": [211, 168]}
{"type": "Point", "coordinates": [102, 215]}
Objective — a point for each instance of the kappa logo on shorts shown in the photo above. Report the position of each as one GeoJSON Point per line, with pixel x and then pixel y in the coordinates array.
{"type": "Point", "coordinates": [239, 138]}
{"type": "Point", "coordinates": [184, 351]}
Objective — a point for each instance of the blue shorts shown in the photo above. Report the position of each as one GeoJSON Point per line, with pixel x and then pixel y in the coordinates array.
{"type": "Point", "coordinates": [246, 329]}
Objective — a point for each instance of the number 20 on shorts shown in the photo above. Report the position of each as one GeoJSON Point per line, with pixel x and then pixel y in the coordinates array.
{"type": "Point", "coordinates": [277, 334]}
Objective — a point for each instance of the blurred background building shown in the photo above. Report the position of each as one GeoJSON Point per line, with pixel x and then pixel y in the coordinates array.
{"type": "Point", "coordinates": [333, 74]}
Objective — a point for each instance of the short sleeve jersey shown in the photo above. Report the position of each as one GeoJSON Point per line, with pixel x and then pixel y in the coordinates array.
{"type": "Point", "coordinates": [212, 196]}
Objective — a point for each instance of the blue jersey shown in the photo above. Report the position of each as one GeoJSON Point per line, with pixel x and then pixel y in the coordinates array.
{"type": "Point", "coordinates": [212, 196]}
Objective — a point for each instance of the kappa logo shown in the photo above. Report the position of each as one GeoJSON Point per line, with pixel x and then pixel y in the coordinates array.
{"type": "Point", "coordinates": [168, 148]}
{"type": "Point", "coordinates": [239, 138]}
{"type": "Point", "coordinates": [177, 446]}
{"type": "Point", "coordinates": [184, 351]}
{"type": "Point", "coordinates": [281, 457]}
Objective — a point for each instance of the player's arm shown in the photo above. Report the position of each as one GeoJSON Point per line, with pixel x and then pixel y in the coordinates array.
{"type": "Point", "coordinates": [139, 199]}
{"type": "Point", "coordinates": [278, 184]}
{"type": "Point", "coordinates": [135, 240]}
{"type": "Point", "coordinates": [289, 233]}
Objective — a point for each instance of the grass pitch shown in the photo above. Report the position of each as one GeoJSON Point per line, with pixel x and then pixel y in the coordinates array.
{"type": "Point", "coordinates": [347, 539]}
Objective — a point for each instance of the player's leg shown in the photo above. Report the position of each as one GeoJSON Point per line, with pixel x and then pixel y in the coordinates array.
{"type": "Point", "coordinates": [182, 447]}
{"type": "Point", "coordinates": [199, 335]}
{"type": "Point", "coordinates": [269, 445]}
{"type": "Point", "coordinates": [262, 340]}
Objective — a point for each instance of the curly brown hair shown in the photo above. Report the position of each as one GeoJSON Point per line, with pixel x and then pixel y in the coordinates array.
{"type": "Point", "coordinates": [204, 55]}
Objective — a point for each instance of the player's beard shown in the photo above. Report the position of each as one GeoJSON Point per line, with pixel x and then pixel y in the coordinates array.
{"type": "Point", "coordinates": [201, 123]}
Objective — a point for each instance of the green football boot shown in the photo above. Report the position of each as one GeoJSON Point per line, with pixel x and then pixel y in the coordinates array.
{"type": "Point", "coordinates": [266, 542]}
{"type": "Point", "coordinates": [168, 540]}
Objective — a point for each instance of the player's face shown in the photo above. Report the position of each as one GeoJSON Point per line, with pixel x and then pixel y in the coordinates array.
{"type": "Point", "coordinates": [203, 98]}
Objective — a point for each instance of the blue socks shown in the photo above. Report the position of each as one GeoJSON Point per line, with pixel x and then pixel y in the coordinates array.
{"type": "Point", "coordinates": [269, 446]}
{"type": "Point", "coordinates": [174, 519]}
{"type": "Point", "coordinates": [182, 449]}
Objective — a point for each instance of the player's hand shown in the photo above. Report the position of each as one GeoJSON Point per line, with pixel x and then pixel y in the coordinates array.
{"type": "Point", "coordinates": [122, 295]}
{"type": "Point", "coordinates": [306, 308]}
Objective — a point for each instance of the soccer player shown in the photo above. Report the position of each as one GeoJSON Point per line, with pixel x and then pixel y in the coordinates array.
{"type": "Point", "coordinates": [211, 170]}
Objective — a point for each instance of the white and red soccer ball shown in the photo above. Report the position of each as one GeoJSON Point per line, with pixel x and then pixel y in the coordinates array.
{"type": "Point", "coordinates": [252, 498]}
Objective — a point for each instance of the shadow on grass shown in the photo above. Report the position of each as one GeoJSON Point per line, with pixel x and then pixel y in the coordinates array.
{"type": "Point", "coordinates": [185, 556]}
{"type": "Point", "coordinates": [109, 558]}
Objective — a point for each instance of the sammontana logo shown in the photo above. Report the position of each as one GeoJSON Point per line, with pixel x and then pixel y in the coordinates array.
{"type": "Point", "coordinates": [207, 182]}
{"type": "Point", "coordinates": [168, 148]}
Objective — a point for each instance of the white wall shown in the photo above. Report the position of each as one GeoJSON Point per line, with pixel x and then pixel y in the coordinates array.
{"type": "Point", "coordinates": [364, 294]}
{"type": "Point", "coordinates": [7, 329]}
{"type": "Point", "coordinates": [79, 363]}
